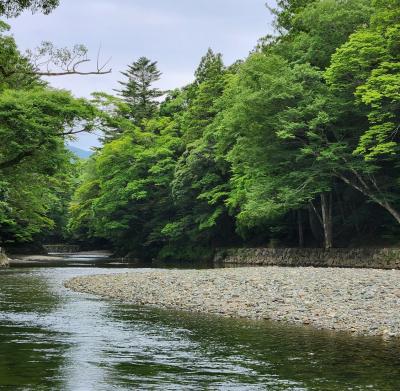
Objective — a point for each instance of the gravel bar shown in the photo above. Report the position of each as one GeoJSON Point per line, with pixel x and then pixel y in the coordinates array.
{"type": "Point", "coordinates": [362, 301]}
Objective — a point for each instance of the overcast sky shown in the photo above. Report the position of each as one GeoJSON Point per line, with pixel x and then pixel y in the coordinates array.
{"type": "Point", "coordinates": [176, 33]}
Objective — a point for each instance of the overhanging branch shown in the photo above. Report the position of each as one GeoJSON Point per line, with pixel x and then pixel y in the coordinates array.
{"type": "Point", "coordinates": [72, 73]}
{"type": "Point", "coordinates": [48, 60]}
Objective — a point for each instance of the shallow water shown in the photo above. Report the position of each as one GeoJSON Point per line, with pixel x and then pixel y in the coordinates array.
{"type": "Point", "coordinates": [55, 339]}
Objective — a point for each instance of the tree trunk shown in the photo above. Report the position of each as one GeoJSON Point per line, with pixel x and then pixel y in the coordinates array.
{"type": "Point", "coordinates": [300, 228]}
{"type": "Point", "coordinates": [368, 193]}
{"type": "Point", "coordinates": [314, 221]}
{"type": "Point", "coordinates": [391, 210]}
{"type": "Point", "coordinates": [326, 214]}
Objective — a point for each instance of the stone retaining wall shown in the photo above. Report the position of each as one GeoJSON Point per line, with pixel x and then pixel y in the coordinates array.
{"type": "Point", "coordinates": [382, 258]}
{"type": "Point", "coordinates": [61, 248]}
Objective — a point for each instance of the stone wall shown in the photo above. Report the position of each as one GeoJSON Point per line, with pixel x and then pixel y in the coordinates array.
{"type": "Point", "coordinates": [4, 261]}
{"type": "Point", "coordinates": [382, 258]}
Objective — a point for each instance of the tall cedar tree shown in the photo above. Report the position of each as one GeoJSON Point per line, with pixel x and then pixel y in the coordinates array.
{"type": "Point", "coordinates": [138, 92]}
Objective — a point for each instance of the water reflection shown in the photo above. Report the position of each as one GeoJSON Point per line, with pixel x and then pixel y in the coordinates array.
{"type": "Point", "coordinates": [51, 338]}
{"type": "Point", "coordinates": [248, 352]}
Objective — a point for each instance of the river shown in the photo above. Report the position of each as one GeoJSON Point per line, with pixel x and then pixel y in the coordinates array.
{"type": "Point", "coordinates": [55, 339]}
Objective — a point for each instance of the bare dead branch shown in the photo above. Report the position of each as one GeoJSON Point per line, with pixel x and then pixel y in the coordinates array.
{"type": "Point", "coordinates": [48, 60]}
{"type": "Point", "coordinates": [71, 73]}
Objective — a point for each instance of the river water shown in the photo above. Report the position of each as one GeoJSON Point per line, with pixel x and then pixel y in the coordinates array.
{"type": "Point", "coordinates": [55, 339]}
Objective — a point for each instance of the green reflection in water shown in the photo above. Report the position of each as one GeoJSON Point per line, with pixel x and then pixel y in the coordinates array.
{"type": "Point", "coordinates": [279, 356]}
{"type": "Point", "coordinates": [51, 338]}
{"type": "Point", "coordinates": [30, 355]}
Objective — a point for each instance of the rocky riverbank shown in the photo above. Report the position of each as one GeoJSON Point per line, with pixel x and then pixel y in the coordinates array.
{"type": "Point", "coordinates": [360, 301]}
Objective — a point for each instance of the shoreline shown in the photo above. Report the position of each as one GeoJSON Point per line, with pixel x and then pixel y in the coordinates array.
{"type": "Point", "coordinates": [363, 302]}
{"type": "Point", "coordinates": [4, 260]}
{"type": "Point", "coordinates": [52, 258]}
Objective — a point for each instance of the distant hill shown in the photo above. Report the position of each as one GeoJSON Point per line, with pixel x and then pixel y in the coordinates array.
{"type": "Point", "coordinates": [83, 154]}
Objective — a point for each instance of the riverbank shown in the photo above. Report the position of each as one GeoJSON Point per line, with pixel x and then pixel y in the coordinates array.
{"type": "Point", "coordinates": [4, 261]}
{"type": "Point", "coordinates": [55, 259]}
{"type": "Point", "coordinates": [365, 302]}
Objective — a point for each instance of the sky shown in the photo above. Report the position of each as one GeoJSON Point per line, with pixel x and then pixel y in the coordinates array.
{"type": "Point", "coordinates": [176, 33]}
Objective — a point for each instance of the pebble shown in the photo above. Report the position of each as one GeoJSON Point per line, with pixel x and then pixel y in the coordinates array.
{"type": "Point", "coordinates": [361, 301]}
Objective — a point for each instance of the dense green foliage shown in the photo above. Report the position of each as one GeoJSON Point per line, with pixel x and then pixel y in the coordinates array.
{"type": "Point", "coordinates": [35, 166]}
{"type": "Point", "coordinates": [297, 144]}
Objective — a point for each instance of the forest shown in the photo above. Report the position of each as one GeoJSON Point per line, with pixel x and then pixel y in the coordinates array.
{"type": "Point", "coordinates": [296, 145]}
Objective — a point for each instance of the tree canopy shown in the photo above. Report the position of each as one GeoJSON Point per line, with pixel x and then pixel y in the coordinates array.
{"type": "Point", "coordinates": [15, 7]}
{"type": "Point", "coordinates": [297, 144]}
{"type": "Point", "coordinates": [35, 166]}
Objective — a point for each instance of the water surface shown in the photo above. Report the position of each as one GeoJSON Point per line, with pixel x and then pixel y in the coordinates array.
{"type": "Point", "coordinates": [55, 339]}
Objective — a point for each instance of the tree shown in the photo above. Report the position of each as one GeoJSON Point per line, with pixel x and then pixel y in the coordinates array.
{"type": "Point", "coordinates": [138, 92]}
{"type": "Point", "coordinates": [199, 183]}
{"type": "Point", "coordinates": [286, 11]}
{"type": "Point", "coordinates": [48, 60]}
{"type": "Point", "coordinates": [125, 193]}
{"type": "Point", "coordinates": [364, 79]}
{"type": "Point", "coordinates": [11, 8]}
{"type": "Point", "coordinates": [268, 100]}
{"type": "Point", "coordinates": [318, 28]}
{"type": "Point", "coordinates": [298, 143]}
{"type": "Point", "coordinates": [19, 70]}
{"type": "Point", "coordinates": [114, 116]}
{"type": "Point", "coordinates": [33, 121]}
{"type": "Point", "coordinates": [64, 183]}
{"type": "Point", "coordinates": [210, 67]}
{"type": "Point", "coordinates": [15, 69]}
{"type": "Point", "coordinates": [34, 125]}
